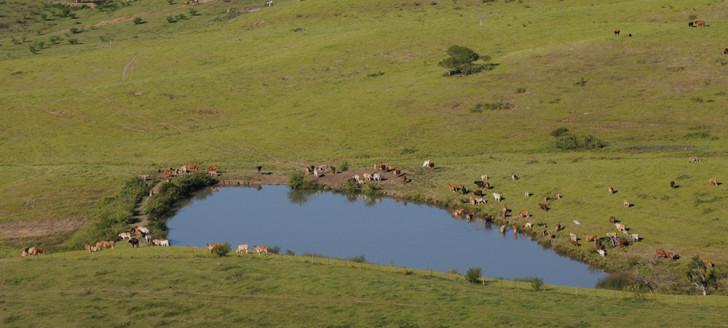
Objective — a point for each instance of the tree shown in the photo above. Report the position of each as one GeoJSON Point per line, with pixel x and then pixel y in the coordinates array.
{"type": "Point", "coordinates": [701, 275]}
{"type": "Point", "coordinates": [474, 275]}
{"type": "Point", "coordinates": [464, 61]}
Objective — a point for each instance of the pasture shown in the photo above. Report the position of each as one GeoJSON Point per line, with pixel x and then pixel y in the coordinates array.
{"type": "Point", "coordinates": [239, 85]}
{"type": "Point", "coordinates": [180, 286]}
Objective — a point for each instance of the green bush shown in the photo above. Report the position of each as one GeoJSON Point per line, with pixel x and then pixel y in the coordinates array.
{"type": "Point", "coordinates": [473, 275]}
{"type": "Point", "coordinates": [172, 19]}
{"type": "Point", "coordinates": [297, 181]}
{"type": "Point", "coordinates": [343, 167]}
{"type": "Point", "coordinates": [221, 250]}
{"type": "Point", "coordinates": [274, 250]}
{"type": "Point", "coordinates": [371, 190]}
{"type": "Point", "coordinates": [139, 21]}
{"type": "Point", "coordinates": [464, 61]}
{"type": "Point", "coordinates": [358, 259]}
{"type": "Point", "coordinates": [559, 132]}
{"type": "Point", "coordinates": [566, 140]}
{"type": "Point", "coordinates": [536, 283]}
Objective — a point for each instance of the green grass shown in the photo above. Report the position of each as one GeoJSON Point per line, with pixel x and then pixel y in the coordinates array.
{"type": "Point", "coordinates": [158, 287]}
{"type": "Point", "coordinates": [241, 90]}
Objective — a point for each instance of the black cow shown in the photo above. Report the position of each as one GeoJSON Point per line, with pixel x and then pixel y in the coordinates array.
{"type": "Point", "coordinates": [134, 242]}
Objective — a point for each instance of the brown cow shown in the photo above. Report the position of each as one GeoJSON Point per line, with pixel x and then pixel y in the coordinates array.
{"type": "Point", "coordinates": [591, 237]}
{"type": "Point", "coordinates": [261, 250]}
{"type": "Point", "coordinates": [616, 32]}
{"type": "Point", "coordinates": [713, 182]}
{"type": "Point", "coordinates": [699, 23]}
{"type": "Point", "coordinates": [725, 52]}
{"type": "Point", "coordinates": [211, 247]}
{"type": "Point", "coordinates": [105, 244]}
{"type": "Point", "coordinates": [525, 214]}
{"type": "Point", "coordinates": [544, 206]}
{"type": "Point", "coordinates": [612, 190]}
{"type": "Point", "coordinates": [627, 204]}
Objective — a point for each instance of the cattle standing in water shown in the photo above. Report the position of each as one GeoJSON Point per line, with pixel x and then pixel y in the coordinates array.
{"type": "Point", "coordinates": [134, 242]}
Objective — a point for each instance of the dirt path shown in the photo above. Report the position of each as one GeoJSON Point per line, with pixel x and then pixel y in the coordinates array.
{"type": "Point", "coordinates": [141, 218]}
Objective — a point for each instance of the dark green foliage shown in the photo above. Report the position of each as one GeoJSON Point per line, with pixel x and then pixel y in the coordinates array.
{"type": "Point", "coordinates": [358, 259]}
{"type": "Point", "coordinates": [139, 21]}
{"type": "Point", "coordinates": [474, 275]}
{"type": "Point", "coordinates": [162, 205]}
{"type": "Point", "coordinates": [297, 181]}
{"type": "Point", "coordinates": [76, 30]}
{"type": "Point", "coordinates": [371, 190]}
{"type": "Point", "coordinates": [559, 132]}
{"type": "Point", "coordinates": [464, 61]}
{"type": "Point", "coordinates": [221, 250]}
{"type": "Point", "coordinates": [194, 12]}
{"type": "Point", "coordinates": [480, 107]}
{"type": "Point", "coordinates": [536, 283]}
{"type": "Point", "coordinates": [113, 214]}
{"type": "Point", "coordinates": [703, 276]}
{"type": "Point", "coordinates": [274, 250]}
{"type": "Point", "coordinates": [343, 167]}
{"type": "Point", "coordinates": [566, 140]}
{"type": "Point", "coordinates": [615, 282]}
{"type": "Point", "coordinates": [172, 19]}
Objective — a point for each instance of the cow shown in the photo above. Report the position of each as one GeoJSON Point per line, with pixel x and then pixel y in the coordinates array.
{"type": "Point", "coordinates": [634, 237]}
{"type": "Point", "coordinates": [725, 51]}
{"type": "Point", "coordinates": [673, 185]}
{"type": "Point", "coordinates": [33, 251]}
{"type": "Point", "coordinates": [544, 206]}
{"type": "Point", "coordinates": [428, 164]}
{"type": "Point", "coordinates": [105, 244]}
{"type": "Point", "coordinates": [504, 212]}
{"type": "Point", "coordinates": [699, 23]}
{"type": "Point", "coordinates": [497, 197]}
{"type": "Point", "coordinates": [211, 247]}
{"type": "Point", "coordinates": [602, 252]}
{"type": "Point", "coordinates": [358, 179]}
{"type": "Point", "coordinates": [577, 222]}
{"type": "Point", "coordinates": [242, 248]}
{"type": "Point", "coordinates": [612, 190]}
{"type": "Point", "coordinates": [124, 235]}
{"type": "Point", "coordinates": [141, 230]}
{"type": "Point", "coordinates": [514, 177]}
{"type": "Point", "coordinates": [397, 172]}
{"type": "Point", "coordinates": [376, 177]}
{"type": "Point", "coordinates": [713, 182]}
{"type": "Point", "coordinates": [525, 214]}
{"type": "Point", "coordinates": [261, 250]}
{"type": "Point", "coordinates": [91, 248]}
{"type": "Point", "coordinates": [477, 200]}
{"type": "Point", "coordinates": [616, 32]}
{"type": "Point", "coordinates": [620, 227]}
{"type": "Point", "coordinates": [405, 179]}
{"type": "Point", "coordinates": [591, 237]}
{"type": "Point", "coordinates": [627, 204]}
{"type": "Point", "coordinates": [695, 159]}
{"type": "Point", "coordinates": [367, 176]}
{"type": "Point", "coordinates": [457, 213]}
{"type": "Point", "coordinates": [269, 3]}
{"type": "Point", "coordinates": [558, 195]}
{"type": "Point", "coordinates": [502, 229]}
{"type": "Point", "coordinates": [134, 242]}
{"type": "Point", "coordinates": [484, 177]}
{"type": "Point", "coordinates": [611, 235]}
{"type": "Point", "coordinates": [573, 237]}
{"type": "Point", "coordinates": [613, 220]}
{"type": "Point", "coordinates": [160, 242]}
{"type": "Point", "coordinates": [527, 194]}
{"type": "Point", "coordinates": [147, 239]}
{"type": "Point", "coordinates": [528, 225]}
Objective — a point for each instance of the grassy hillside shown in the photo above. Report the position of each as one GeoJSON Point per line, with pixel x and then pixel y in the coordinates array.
{"type": "Point", "coordinates": [237, 84]}
{"type": "Point", "coordinates": [186, 287]}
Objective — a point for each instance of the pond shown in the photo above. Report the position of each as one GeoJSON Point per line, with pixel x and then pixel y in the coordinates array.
{"type": "Point", "coordinates": [385, 232]}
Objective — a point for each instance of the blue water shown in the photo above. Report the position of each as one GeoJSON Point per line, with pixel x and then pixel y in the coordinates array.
{"type": "Point", "coordinates": [385, 232]}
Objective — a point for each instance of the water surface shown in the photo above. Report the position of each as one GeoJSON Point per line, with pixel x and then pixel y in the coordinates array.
{"type": "Point", "coordinates": [385, 232]}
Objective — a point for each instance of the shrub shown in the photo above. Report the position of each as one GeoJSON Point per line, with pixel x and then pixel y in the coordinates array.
{"type": "Point", "coordinates": [473, 275]}
{"type": "Point", "coordinates": [344, 166]}
{"type": "Point", "coordinates": [370, 190]}
{"type": "Point", "coordinates": [702, 275]}
{"type": "Point", "coordinates": [559, 132]}
{"type": "Point", "coordinates": [274, 250]}
{"type": "Point", "coordinates": [172, 19]}
{"type": "Point", "coordinates": [139, 21]}
{"type": "Point", "coordinates": [290, 252]}
{"type": "Point", "coordinates": [464, 61]}
{"type": "Point", "coordinates": [297, 181]}
{"type": "Point", "coordinates": [221, 250]}
{"type": "Point", "coordinates": [74, 41]}
{"type": "Point", "coordinates": [194, 12]}
{"type": "Point", "coordinates": [76, 30]}
{"type": "Point", "coordinates": [358, 259]}
{"type": "Point", "coordinates": [536, 283]}
{"type": "Point", "coordinates": [480, 107]}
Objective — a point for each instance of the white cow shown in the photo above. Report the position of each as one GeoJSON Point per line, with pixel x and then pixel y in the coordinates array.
{"type": "Point", "coordinates": [527, 194]}
{"type": "Point", "coordinates": [602, 252]}
{"type": "Point", "coordinates": [242, 248]}
{"type": "Point", "coordinates": [577, 222]}
{"type": "Point", "coordinates": [427, 163]}
{"type": "Point", "coordinates": [635, 237]}
{"type": "Point", "coordinates": [358, 179]}
{"type": "Point", "coordinates": [497, 197]}
{"type": "Point", "coordinates": [160, 242]}
{"type": "Point", "coordinates": [125, 235]}
{"type": "Point", "coordinates": [376, 177]}
{"type": "Point", "coordinates": [484, 178]}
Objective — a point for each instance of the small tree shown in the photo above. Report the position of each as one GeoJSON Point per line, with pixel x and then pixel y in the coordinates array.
{"type": "Point", "coordinates": [474, 275]}
{"type": "Point", "coordinates": [464, 61]}
{"type": "Point", "coordinates": [701, 275]}
{"type": "Point", "coordinates": [536, 283]}
{"type": "Point", "coordinates": [221, 250]}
